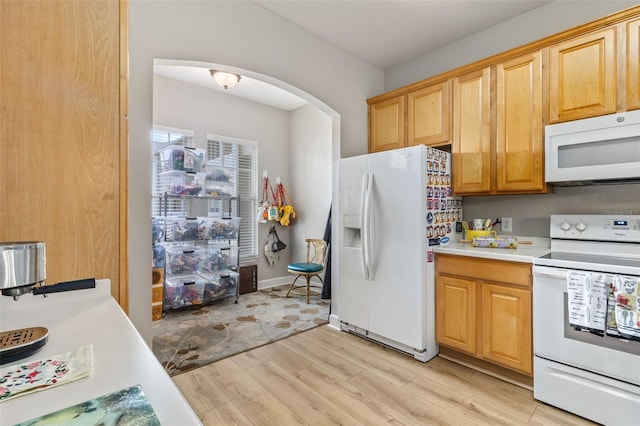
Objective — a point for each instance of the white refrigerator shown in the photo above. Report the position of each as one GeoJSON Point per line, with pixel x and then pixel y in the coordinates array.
{"type": "Point", "coordinates": [395, 206]}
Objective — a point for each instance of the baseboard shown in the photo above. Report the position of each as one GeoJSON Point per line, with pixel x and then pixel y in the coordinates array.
{"type": "Point", "coordinates": [274, 282]}
{"type": "Point", "coordinates": [488, 368]}
{"type": "Point", "coordinates": [334, 321]}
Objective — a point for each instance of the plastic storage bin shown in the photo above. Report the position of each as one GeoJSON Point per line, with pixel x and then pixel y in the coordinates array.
{"type": "Point", "coordinates": [218, 286]}
{"type": "Point", "coordinates": [219, 258]}
{"type": "Point", "coordinates": [159, 255]}
{"type": "Point", "coordinates": [186, 229]}
{"type": "Point", "coordinates": [219, 189]}
{"type": "Point", "coordinates": [219, 173]}
{"type": "Point", "coordinates": [181, 183]}
{"type": "Point", "coordinates": [157, 229]}
{"type": "Point", "coordinates": [180, 158]}
{"type": "Point", "coordinates": [183, 291]}
{"type": "Point", "coordinates": [224, 228]}
{"type": "Point", "coordinates": [219, 181]}
{"type": "Point", "coordinates": [183, 260]}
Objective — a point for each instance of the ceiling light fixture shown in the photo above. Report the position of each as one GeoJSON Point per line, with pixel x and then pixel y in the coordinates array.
{"type": "Point", "coordinates": [225, 79]}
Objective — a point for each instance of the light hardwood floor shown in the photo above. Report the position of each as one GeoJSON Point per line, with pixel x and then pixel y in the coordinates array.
{"type": "Point", "coordinates": [326, 377]}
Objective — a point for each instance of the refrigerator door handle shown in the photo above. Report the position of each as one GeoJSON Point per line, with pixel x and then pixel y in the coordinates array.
{"type": "Point", "coordinates": [367, 228]}
{"type": "Point", "coordinates": [363, 224]}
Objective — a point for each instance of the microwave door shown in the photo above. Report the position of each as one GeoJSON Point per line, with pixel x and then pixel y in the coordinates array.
{"type": "Point", "coordinates": [599, 148]}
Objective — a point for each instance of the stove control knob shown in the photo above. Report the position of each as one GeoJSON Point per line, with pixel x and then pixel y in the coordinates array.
{"type": "Point", "coordinates": [581, 226]}
{"type": "Point", "coordinates": [565, 226]}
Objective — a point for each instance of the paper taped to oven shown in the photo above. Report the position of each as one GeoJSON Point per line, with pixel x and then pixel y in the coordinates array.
{"type": "Point", "coordinates": [587, 299]}
{"type": "Point", "coordinates": [626, 291]}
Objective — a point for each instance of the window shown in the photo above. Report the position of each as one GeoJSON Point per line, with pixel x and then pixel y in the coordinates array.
{"type": "Point", "coordinates": [242, 156]}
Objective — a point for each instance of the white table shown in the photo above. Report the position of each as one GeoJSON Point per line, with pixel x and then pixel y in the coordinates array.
{"type": "Point", "coordinates": [120, 355]}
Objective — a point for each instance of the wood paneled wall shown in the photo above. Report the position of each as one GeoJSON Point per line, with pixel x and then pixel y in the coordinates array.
{"type": "Point", "coordinates": [62, 142]}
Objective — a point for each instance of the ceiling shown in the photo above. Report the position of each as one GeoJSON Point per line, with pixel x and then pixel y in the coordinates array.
{"type": "Point", "coordinates": [383, 33]}
{"type": "Point", "coordinates": [387, 33]}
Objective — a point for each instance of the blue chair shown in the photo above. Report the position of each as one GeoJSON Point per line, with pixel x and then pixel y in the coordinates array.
{"type": "Point", "coordinates": [313, 267]}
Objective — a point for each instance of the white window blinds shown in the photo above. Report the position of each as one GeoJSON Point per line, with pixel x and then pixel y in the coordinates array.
{"type": "Point", "coordinates": [242, 156]}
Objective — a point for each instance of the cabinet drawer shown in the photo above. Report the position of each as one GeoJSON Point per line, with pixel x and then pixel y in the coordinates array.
{"type": "Point", "coordinates": [516, 273]}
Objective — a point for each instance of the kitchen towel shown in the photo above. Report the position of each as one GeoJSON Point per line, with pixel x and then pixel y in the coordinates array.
{"type": "Point", "coordinates": [626, 291]}
{"type": "Point", "coordinates": [32, 376]}
{"type": "Point", "coordinates": [587, 299]}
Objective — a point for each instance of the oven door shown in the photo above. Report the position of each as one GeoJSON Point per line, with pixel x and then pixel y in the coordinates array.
{"type": "Point", "coordinates": [556, 340]}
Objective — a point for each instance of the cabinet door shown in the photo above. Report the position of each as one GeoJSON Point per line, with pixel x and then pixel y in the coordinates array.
{"type": "Point", "coordinates": [386, 124]}
{"type": "Point", "coordinates": [633, 64]}
{"type": "Point", "coordinates": [63, 162]}
{"type": "Point", "coordinates": [583, 76]}
{"type": "Point", "coordinates": [429, 115]}
{"type": "Point", "coordinates": [471, 149]}
{"type": "Point", "coordinates": [456, 313]}
{"type": "Point", "coordinates": [519, 141]}
{"type": "Point", "coordinates": [506, 326]}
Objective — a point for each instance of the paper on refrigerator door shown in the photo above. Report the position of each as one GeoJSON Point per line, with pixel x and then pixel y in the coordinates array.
{"type": "Point", "coordinates": [442, 209]}
{"type": "Point", "coordinates": [587, 299]}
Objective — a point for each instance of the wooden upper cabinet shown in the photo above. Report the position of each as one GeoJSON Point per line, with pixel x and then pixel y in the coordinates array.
{"type": "Point", "coordinates": [387, 124]}
{"type": "Point", "coordinates": [633, 64]}
{"type": "Point", "coordinates": [583, 76]}
{"type": "Point", "coordinates": [471, 142]}
{"type": "Point", "coordinates": [519, 125]}
{"type": "Point", "coordinates": [429, 115]}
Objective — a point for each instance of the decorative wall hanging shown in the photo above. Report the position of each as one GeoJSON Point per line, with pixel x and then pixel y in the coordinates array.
{"type": "Point", "coordinates": [285, 207]}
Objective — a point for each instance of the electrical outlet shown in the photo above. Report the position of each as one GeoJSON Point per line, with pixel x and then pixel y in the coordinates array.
{"type": "Point", "coordinates": [506, 225]}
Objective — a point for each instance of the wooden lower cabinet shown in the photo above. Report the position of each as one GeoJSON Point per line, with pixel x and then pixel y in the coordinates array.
{"type": "Point", "coordinates": [456, 313]}
{"type": "Point", "coordinates": [483, 309]}
{"type": "Point", "coordinates": [506, 326]}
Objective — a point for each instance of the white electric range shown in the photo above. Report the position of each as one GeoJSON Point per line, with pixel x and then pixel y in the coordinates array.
{"type": "Point", "coordinates": [586, 318]}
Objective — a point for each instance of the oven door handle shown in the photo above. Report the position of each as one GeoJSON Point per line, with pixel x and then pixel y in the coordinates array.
{"type": "Point", "coordinates": [545, 271]}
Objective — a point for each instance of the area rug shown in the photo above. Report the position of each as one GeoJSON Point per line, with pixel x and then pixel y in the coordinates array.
{"type": "Point", "coordinates": [191, 337]}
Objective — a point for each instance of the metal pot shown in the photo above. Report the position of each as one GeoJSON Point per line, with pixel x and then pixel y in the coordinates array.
{"type": "Point", "coordinates": [22, 265]}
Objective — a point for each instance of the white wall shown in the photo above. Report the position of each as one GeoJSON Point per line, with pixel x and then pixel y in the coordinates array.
{"type": "Point", "coordinates": [310, 175]}
{"type": "Point", "coordinates": [531, 213]}
{"type": "Point", "coordinates": [186, 106]}
{"type": "Point", "coordinates": [243, 35]}
{"type": "Point", "coordinates": [552, 18]}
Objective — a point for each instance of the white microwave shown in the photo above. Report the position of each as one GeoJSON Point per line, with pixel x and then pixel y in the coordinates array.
{"type": "Point", "coordinates": [602, 149]}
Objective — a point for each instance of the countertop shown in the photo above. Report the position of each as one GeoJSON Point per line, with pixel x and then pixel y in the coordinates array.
{"type": "Point", "coordinates": [524, 253]}
{"type": "Point", "coordinates": [121, 358]}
